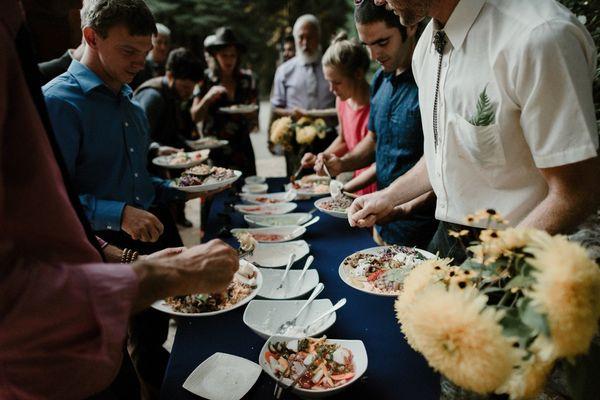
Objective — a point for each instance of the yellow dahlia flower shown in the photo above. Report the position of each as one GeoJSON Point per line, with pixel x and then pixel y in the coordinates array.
{"type": "Point", "coordinates": [306, 135]}
{"type": "Point", "coordinates": [460, 337]}
{"type": "Point", "coordinates": [280, 130]}
{"type": "Point", "coordinates": [567, 291]}
{"type": "Point", "coordinates": [419, 278]}
{"type": "Point", "coordinates": [304, 121]}
{"type": "Point", "coordinates": [528, 380]}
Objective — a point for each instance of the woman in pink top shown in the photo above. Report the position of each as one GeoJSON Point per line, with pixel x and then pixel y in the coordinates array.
{"type": "Point", "coordinates": [345, 64]}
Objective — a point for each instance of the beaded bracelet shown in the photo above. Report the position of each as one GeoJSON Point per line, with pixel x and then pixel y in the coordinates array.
{"type": "Point", "coordinates": [128, 256]}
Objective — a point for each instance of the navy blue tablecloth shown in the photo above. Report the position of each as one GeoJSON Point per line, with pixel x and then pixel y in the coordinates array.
{"type": "Point", "coordinates": [395, 371]}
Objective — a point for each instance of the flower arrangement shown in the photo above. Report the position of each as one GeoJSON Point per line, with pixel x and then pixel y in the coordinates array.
{"type": "Point", "coordinates": [298, 137]}
{"type": "Point", "coordinates": [302, 132]}
{"type": "Point", "coordinates": [522, 301]}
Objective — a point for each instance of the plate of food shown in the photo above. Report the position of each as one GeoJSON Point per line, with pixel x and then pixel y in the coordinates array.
{"type": "Point", "coordinates": [269, 198]}
{"type": "Point", "coordinates": [208, 142]}
{"type": "Point", "coordinates": [245, 285]}
{"type": "Point", "coordinates": [181, 159]}
{"type": "Point", "coordinates": [327, 112]}
{"type": "Point", "coordinates": [276, 234]}
{"type": "Point", "coordinates": [265, 317]}
{"type": "Point", "coordinates": [204, 178]}
{"type": "Point", "coordinates": [381, 270]}
{"type": "Point", "coordinates": [336, 208]}
{"type": "Point", "coordinates": [322, 366]}
{"type": "Point", "coordinates": [310, 186]}
{"type": "Point", "coordinates": [239, 109]}
{"type": "Point", "coordinates": [261, 221]}
{"type": "Point", "coordinates": [275, 255]}
{"type": "Point", "coordinates": [266, 209]}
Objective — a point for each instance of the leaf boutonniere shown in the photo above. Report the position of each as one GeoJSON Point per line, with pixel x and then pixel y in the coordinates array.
{"type": "Point", "coordinates": [485, 114]}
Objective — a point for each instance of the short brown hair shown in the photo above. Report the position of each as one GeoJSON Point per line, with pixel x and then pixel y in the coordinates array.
{"type": "Point", "coordinates": [101, 15]}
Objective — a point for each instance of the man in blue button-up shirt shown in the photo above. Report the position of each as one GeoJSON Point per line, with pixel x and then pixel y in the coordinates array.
{"type": "Point", "coordinates": [395, 140]}
{"type": "Point", "coordinates": [104, 138]}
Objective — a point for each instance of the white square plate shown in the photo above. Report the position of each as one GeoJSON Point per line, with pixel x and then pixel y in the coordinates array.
{"type": "Point", "coordinates": [223, 377]}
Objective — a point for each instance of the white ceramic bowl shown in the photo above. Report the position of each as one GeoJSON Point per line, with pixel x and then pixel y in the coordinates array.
{"type": "Point", "coordinates": [254, 179]}
{"type": "Point", "coordinates": [260, 221]}
{"type": "Point", "coordinates": [361, 362]}
{"type": "Point", "coordinates": [266, 209]}
{"type": "Point", "coordinates": [292, 287]}
{"type": "Point", "coordinates": [333, 213]}
{"type": "Point", "coordinates": [269, 198]}
{"type": "Point", "coordinates": [275, 255]}
{"type": "Point", "coordinates": [264, 317]}
{"type": "Point", "coordinates": [255, 188]}
{"type": "Point", "coordinates": [284, 233]}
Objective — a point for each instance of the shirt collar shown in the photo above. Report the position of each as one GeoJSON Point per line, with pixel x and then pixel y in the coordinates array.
{"type": "Point", "coordinates": [461, 20]}
{"type": "Point", "coordinates": [402, 77]}
{"type": "Point", "coordinates": [88, 80]}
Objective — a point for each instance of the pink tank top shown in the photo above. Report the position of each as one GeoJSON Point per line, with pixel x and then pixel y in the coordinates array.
{"type": "Point", "coordinates": [354, 126]}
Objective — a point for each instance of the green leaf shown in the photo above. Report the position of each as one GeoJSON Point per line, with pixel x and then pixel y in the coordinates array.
{"type": "Point", "coordinates": [532, 318]}
{"type": "Point", "coordinates": [485, 112]}
{"type": "Point", "coordinates": [520, 281]}
{"type": "Point", "coordinates": [512, 326]}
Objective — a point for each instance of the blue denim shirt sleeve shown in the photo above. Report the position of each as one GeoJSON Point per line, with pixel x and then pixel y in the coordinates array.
{"type": "Point", "coordinates": [102, 214]}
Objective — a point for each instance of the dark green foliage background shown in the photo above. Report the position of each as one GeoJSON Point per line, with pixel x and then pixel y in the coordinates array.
{"type": "Point", "coordinates": [261, 24]}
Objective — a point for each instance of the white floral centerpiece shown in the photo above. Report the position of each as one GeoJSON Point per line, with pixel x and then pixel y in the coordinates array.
{"type": "Point", "coordinates": [500, 321]}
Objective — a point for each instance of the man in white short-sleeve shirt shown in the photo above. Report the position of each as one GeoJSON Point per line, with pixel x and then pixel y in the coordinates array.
{"type": "Point", "coordinates": [505, 90]}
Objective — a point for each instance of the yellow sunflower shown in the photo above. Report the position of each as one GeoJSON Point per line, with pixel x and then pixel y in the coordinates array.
{"type": "Point", "coordinates": [567, 288]}
{"type": "Point", "coordinates": [460, 337]}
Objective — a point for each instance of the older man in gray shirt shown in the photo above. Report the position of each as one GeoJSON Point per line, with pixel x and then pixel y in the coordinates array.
{"type": "Point", "coordinates": [299, 83]}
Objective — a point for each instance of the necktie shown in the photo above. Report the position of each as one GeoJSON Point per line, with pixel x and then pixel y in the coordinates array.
{"type": "Point", "coordinates": [439, 41]}
{"type": "Point", "coordinates": [311, 86]}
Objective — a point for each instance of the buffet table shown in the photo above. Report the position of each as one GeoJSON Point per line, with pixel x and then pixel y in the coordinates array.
{"type": "Point", "coordinates": [395, 371]}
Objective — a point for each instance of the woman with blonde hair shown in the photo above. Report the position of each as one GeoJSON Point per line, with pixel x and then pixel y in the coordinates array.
{"type": "Point", "coordinates": [345, 64]}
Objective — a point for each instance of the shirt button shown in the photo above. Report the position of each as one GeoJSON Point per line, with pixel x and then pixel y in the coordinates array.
{"type": "Point", "coordinates": [136, 174]}
{"type": "Point", "coordinates": [127, 123]}
{"type": "Point", "coordinates": [131, 149]}
{"type": "Point", "coordinates": [445, 64]}
{"type": "Point", "coordinates": [108, 227]}
{"type": "Point", "coordinates": [137, 198]}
